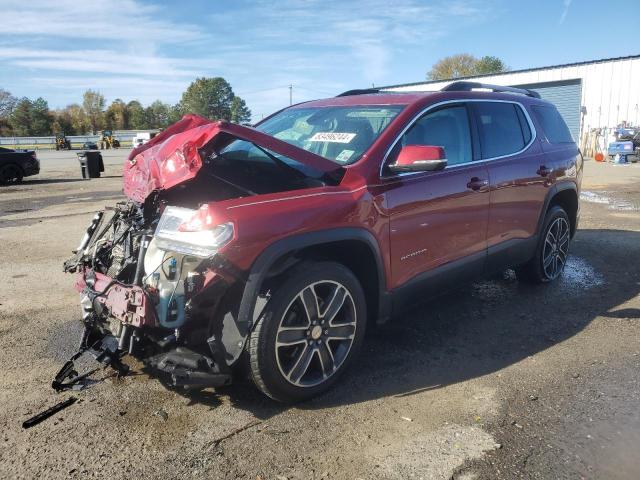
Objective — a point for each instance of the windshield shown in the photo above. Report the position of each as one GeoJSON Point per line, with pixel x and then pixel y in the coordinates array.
{"type": "Point", "coordinates": [340, 134]}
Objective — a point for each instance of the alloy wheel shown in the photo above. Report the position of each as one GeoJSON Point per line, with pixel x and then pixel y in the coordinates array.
{"type": "Point", "coordinates": [316, 333]}
{"type": "Point", "coordinates": [556, 248]}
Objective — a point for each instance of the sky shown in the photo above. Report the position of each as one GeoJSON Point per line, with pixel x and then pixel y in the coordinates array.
{"type": "Point", "coordinates": [153, 49]}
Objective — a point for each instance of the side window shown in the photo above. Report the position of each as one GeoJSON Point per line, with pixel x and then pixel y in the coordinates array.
{"type": "Point", "coordinates": [552, 123]}
{"type": "Point", "coordinates": [500, 129]}
{"type": "Point", "coordinates": [447, 128]}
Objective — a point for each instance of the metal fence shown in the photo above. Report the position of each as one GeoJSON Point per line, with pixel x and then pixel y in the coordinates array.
{"type": "Point", "coordinates": [125, 138]}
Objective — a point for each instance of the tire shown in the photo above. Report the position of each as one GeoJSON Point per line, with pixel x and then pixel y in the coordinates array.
{"type": "Point", "coordinates": [292, 354]}
{"type": "Point", "coordinates": [10, 174]}
{"type": "Point", "coordinates": [551, 252]}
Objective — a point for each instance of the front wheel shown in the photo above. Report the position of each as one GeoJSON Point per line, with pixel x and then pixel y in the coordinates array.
{"type": "Point", "coordinates": [10, 174]}
{"type": "Point", "coordinates": [552, 249]}
{"type": "Point", "coordinates": [310, 331]}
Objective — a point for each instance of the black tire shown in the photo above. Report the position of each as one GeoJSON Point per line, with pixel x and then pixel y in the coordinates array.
{"type": "Point", "coordinates": [10, 174]}
{"type": "Point", "coordinates": [269, 364]}
{"type": "Point", "coordinates": [537, 270]}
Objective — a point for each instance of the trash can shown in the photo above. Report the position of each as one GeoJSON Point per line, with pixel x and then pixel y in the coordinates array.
{"type": "Point", "coordinates": [91, 164]}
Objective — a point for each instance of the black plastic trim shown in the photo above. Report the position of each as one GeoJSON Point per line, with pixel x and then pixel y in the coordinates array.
{"type": "Point", "coordinates": [464, 86]}
{"type": "Point", "coordinates": [510, 253]}
{"type": "Point", "coordinates": [291, 244]}
{"type": "Point", "coordinates": [439, 280]}
{"type": "Point", "coordinates": [553, 191]}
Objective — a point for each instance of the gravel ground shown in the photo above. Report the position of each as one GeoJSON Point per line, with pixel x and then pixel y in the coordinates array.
{"type": "Point", "coordinates": [496, 380]}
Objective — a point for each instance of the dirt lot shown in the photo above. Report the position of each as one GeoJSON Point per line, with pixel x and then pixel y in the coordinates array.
{"type": "Point", "coordinates": [497, 380]}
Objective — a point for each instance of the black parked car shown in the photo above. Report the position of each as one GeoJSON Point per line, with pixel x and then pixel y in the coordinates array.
{"type": "Point", "coordinates": [90, 146]}
{"type": "Point", "coordinates": [17, 164]}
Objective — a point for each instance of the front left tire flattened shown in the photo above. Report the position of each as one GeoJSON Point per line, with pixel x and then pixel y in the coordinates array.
{"type": "Point", "coordinates": [310, 331]}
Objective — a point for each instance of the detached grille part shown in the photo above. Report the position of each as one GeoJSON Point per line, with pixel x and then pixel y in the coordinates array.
{"type": "Point", "coordinates": [189, 369]}
{"type": "Point", "coordinates": [36, 419]}
{"type": "Point", "coordinates": [102, 349]}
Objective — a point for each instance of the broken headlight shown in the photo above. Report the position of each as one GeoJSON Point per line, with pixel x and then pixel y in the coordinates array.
{"type": "Point", "coordinates": [191, 232]}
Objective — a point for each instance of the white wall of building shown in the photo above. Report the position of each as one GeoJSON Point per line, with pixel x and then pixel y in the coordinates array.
{"type": "Point", "coordinates": [610, 88]}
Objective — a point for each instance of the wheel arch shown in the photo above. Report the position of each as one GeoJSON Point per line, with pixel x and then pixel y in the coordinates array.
{"type": "Point", "coordinates": [333, 244]}
{"type": "Point", "coordinates": [13, 164]}
{"type": "Point", "coordinates": [564, 195]}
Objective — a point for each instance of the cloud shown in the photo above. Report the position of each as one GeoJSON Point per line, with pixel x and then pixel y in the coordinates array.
{"type": "Point", "coordinates": [99, 61]}
{"type": "Point", "coordinates": [141, 48]}
{"type": "Point", "coordinates": [371, 32]}
{"type": "Point", "coordinates": [565, 11]}
{"type": "Point", "coordinates": [115, 20]}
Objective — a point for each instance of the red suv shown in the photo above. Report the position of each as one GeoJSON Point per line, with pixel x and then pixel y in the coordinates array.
{"type": "Point", "coordinates": [277, 245]}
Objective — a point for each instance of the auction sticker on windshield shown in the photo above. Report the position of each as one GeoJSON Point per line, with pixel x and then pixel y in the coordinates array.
{"type": "Point", "coordinates": [336, 137]}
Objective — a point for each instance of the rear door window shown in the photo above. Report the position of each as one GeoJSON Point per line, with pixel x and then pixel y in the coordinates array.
{"type": "Point", "coordinates": [501, 130]}
{"type": "Point", "coordinates": [553, 125]}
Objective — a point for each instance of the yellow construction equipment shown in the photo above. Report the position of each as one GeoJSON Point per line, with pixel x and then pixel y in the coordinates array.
{"type": "Point", "coordinates": [108, 141]}
{"type": "Point", "coordinates": [61, 142]}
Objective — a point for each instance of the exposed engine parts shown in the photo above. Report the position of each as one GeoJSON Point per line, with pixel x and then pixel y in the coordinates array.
{"type": "Point", "coordinates": [136, 299]}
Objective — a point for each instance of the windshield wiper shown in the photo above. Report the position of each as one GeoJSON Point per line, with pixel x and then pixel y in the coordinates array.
{"type": "Point", "coordinates": [279, 162]}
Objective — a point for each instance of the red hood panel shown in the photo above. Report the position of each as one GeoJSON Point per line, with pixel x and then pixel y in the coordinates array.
{"type": "Point", "coordinates": [172, 156]}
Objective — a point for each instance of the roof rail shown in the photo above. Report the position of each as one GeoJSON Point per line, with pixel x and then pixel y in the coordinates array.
{"type": "Point", "coordinates": [359, 91]}
{"type": "Point", "coordinates": [468, 86]}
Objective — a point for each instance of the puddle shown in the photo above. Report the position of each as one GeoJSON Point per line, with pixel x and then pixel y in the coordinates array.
{"type": "Point", "coordinates": [604, 199]}
{"type": "Point", "coordinates": [579, 273]}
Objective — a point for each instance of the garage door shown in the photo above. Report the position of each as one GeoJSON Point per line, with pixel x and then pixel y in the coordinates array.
{"type": "Point", "coordinates": [566, 95]}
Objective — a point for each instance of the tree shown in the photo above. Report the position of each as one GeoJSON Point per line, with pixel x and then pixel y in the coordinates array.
{"type": "Point", "coordinates": [41, 118]}
{"type": "Point", "coordinates": [7, 103]}
{"type": "Point", "coordinates": [63, 122]}
{"type": "Point", "coordinates": [455, 66]}
{"type": "Point", "coordinates": [209, 97]}
{"type": "Point", "coordinates": [465, 65]}
{"type": "Point", "coordinates": [240, 113]}
{"type": "Point", "coordinates": [157, 114]}
{"type": "Point", "coordinates": [116, 116]}
{"type": "Point", "coordinates": [137, 118]}
{"type": "Point", "coordinates": [20, 119]}
{"type": "Point", "coordinates": [175, 113]}
{"type": "Point", "coordinates": [489, 64]}
{"type": "Point", "coordinates": [93, 104]}
{"type": "Point", "coordinates": [80, 121]}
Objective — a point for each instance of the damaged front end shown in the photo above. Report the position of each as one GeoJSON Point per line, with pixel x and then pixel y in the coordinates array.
{"type": "Point", "coordinates": [139, 276]}
{"type": "Point", "coordinates": [151, 272]}
{"type": "Point", "coordinates": [134, 297]}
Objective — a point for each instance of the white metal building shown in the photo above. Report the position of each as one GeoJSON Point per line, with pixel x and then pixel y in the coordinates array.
{"type": "Point", "coordinates": [589, 95]}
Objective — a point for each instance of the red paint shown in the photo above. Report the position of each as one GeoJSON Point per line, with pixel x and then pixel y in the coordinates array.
{"type": "Point", "coordinates": [175, 160]}
{"type": "Point", "coordinates": [130, 305]}
{"type": "Point", "coordinates": [417, 153]}
{"type": "Point", "coordinates": [420, 221]}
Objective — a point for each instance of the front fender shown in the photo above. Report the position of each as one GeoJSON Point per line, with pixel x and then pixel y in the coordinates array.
{"type": "Point", "coordinates": [249, 309]}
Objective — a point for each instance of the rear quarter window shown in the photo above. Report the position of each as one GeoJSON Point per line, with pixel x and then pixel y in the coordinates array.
{"type": "Point", "coordinates": [503, 128]}
{"type": "Point", "coordinates": [552, 123]}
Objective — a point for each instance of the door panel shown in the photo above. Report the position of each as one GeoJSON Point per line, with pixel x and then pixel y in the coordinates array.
{"type": "Point", "coordinates": [436, 219]}
{"type": "Point", "coordinates": [517, 196]}
{"type": "Point", "coordinates": [515, 162]}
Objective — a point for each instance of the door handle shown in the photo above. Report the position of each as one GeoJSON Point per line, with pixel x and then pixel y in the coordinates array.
{"type": "Point", "coordinates": [477, 183]}
{"type": "Point", "coordinates": [544, 171]}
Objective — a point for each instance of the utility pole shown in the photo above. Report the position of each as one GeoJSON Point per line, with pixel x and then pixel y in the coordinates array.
{"type": "Point", "coordinates": [290, 94]}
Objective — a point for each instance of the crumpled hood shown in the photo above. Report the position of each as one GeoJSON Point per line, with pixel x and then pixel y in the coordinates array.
{"type": "Point", "coordinates": [172, 157]}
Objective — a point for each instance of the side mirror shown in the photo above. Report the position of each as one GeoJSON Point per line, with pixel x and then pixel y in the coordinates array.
{"type": "Point", "coordinates": [419, 158]}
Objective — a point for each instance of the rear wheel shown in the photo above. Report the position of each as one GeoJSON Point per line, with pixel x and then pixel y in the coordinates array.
{"type": "Point", "coordinates": [310, 331]}
{"type": "Point", "coordinates": [552, 250]}
{"type": "Point", "coordinates": [10, 174]}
